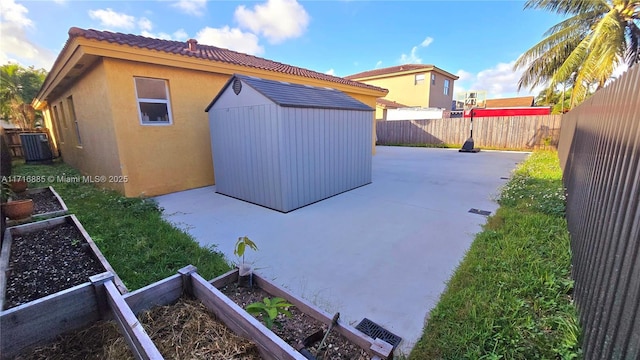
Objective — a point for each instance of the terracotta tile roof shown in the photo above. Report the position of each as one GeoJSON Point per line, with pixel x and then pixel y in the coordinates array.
{"type": "Point", "coordinates": [210, 53]}
{"type": "Point", "coordinates": [510, 102]}
{"type": "Point", "coordinates": [395, 69]}
{"type": "Point", "coordinates": [389, 104]}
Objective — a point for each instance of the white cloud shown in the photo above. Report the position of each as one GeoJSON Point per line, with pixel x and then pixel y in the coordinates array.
{"type": "Point", "coordinates": [498, 81]}
{"type": "Point", "coordinates": [145, 24]}
{"type": "Point", "coordinates": [110, 18]}
{"type": "Point", "coordinates": [15, 14]}
{"type": "Point", "coordinates": [191, 7]}
{"type": "Point", "coordinates": [61, 2]}
{"type": "Point", "coordinates": [15, 45]}
{"type": "Point", "coordinates": [230, 38]}
{"type": "Point", "coordinates": [464, 75]}
{"type": "Point", "coordinates": [180, 34]}
{"type": "Point", "coordinates": [378, 64]}
{"type": "Point", "coordinates": [330, 72]}
{"type": "Point", "coordinates": [412, 58]}
{"type": "Point", "coordinates": [277, 20]}
{"type": "Point", "coordinates": [427, 41]}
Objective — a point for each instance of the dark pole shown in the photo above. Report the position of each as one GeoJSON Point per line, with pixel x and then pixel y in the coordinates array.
{"type": "Point", "coordinates": [471, 125]}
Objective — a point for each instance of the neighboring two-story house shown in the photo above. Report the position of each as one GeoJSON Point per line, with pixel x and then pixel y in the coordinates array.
{"type": "Point", "coordinates": [412, 84]}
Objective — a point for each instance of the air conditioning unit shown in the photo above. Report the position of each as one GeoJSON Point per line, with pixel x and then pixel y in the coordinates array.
{"type": "Point", "coordinates": [36, 148]}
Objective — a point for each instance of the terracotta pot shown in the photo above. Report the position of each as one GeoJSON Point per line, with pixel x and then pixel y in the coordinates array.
{"type": "Point", "coordinates": [19, 209]}
{"type": "Point", "coordinates": [19, 186]}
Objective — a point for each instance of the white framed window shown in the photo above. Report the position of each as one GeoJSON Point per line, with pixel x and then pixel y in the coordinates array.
{"type": "Point", "coordinates": [419, 79]}
{"type": "Point", "coordinates": [446, 86]}
{"type": "Point", "coordinates": [154, 106]}
{"type": "Point", "coordinates": [433, 79]}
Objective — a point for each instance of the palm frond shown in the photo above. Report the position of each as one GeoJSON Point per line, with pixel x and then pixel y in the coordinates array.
{"type": "Point", "coordinates": [632, 55]}
{"type": "Point", "coordinates": [564, 7]}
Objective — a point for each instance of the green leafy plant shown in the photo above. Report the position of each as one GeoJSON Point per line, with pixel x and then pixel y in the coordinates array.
{"type": "Point", "coordinates": [241, 245]}
{"type": "Point", "coordinates": [270, 308]}
{"type": "Point", "coordinates": [5, 192]}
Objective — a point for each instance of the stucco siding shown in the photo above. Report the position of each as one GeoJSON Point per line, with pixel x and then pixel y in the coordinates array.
{"type": "Point", "coordinates": [97, 155]}
{"type": "Point", "coordinates": [403, 89]}
{"type": "Point", "coordinates": [160, 159]}
{"type": "Point", "coordinates": [437, 98]}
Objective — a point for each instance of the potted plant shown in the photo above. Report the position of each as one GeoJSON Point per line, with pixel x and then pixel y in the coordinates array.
{"type": "Point", "coordinates": [14, 209]}
{"type": "Point", "coordinates": [245, 270]}
{"type": "Point", "coordinates": [18, 186]}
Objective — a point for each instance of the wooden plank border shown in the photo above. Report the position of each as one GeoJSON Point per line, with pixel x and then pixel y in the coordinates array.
{"type": "Point", "coordinates": [374, 348]}
{"type": "Point", "coordinates": [138, 340]}
{"type": "Point", "coordinates": [240, 322]}
{"type": "Point", "coordinates": [163, 292]}
{"type": "Point", "coordinates": [41, 225]}
{"type": "Point", "coordinates": [42, 320]}
{"type": "Point", "coordinates": [50, 214]}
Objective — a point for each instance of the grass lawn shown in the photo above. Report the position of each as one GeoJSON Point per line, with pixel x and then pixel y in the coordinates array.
{"type": "Point", "coordinates": [510, 297]}
{"type": "Point", "coordinates": [130, 232]}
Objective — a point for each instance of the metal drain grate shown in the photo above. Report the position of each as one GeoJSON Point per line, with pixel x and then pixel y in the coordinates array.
{"type": "Point", "coordinates": [376, 331]}
{"type": "Point", "coordinates": [480, 212]}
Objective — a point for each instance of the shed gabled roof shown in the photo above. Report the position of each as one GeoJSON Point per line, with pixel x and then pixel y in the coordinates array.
{"type": "Point", "coordinates": [296, 95]}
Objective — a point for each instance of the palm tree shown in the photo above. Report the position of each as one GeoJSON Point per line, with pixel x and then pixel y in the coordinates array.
{"type": "Point", "coordinates": [584, 49]}
{"type": "Point", "coordinates": [18, 87]}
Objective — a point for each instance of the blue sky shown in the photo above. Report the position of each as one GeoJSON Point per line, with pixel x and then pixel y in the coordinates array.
{"type": "Point", "coordinates": [476, 40]}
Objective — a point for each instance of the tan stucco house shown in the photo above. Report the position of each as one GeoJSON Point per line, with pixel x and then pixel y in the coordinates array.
{"type": "Point", "coordinates": [412, 84]}
{"type": "Point", "coordinates": [131, 108]}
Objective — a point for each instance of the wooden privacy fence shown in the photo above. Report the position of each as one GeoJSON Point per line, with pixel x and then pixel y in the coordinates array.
{"type": "Point", "coordinates": [599, 153]}
{"type": "Point", "coordinates": [14, 142]}
{"type": "Point", "coordinates": [503, 132]}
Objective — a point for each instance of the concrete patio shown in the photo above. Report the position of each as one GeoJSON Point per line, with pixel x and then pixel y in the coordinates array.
{"type": "Point", "coordinates": [382, 251]}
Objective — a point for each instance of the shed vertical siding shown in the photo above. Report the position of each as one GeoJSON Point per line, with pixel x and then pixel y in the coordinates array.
{"type": "Point", "coordinates": [327, 153]}
{"type": "Point", "coordinates": [244, 141]}
{"type": "Point", "coordinates": [285, 146]}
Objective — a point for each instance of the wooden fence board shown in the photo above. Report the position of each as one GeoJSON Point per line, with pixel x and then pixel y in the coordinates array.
{"type": "Point", "coordinates": [505, 132]}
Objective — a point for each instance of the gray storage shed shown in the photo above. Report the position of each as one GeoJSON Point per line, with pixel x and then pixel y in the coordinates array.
{"type": "Point", "coordinates": [284, 146]}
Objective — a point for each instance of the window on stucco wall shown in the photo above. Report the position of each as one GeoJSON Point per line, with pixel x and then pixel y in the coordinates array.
{"type": "Point", "coordinates": [56, 120]}
{"type": "Point", "coordinates": [446, 87]}
{"type": "Point", "coordinates": [154, 106]}
{"type": "Point", "coordinates": [419, 79]}
{"type": "Point", "coordinates": [74, 118]}
{"type": "Point", "coordinates": [63, 116]}
{"type": "Point", "coordinates": [433, 79]}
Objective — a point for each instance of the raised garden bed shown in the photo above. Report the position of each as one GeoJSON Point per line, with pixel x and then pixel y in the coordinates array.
{"type": "Point", "coordinates": [41, 321]}
{"type": "Point", "coordinates": [188, 330]}
{"type": "Point", "coordinates": [102, 340]}
{"type": "Point", "coordinates": [45, 257]}
{"type": "Point", "coordinates": [46, 204]}
{"type": "Point", "coordinates": [344, 341]}
{"type": "Point", "coordinates": [46, 201]}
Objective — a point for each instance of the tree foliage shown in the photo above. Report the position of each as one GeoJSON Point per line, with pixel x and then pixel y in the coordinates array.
{"type": "Point", "coordinates": [18, 87]}
{"type": "Point", "coordinates": [584, 49]}
{"type": "Point", "coordinates": [555, 100]}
